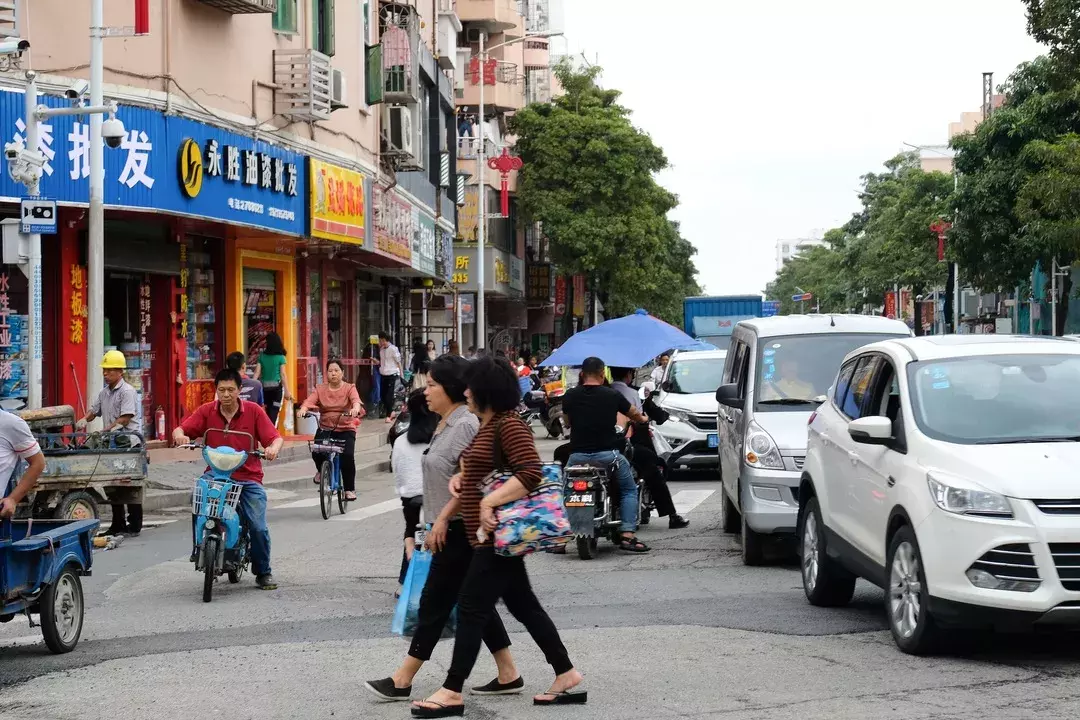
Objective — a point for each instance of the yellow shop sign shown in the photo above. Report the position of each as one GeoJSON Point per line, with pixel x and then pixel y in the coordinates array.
{"type": "Point", "coordinates": [337, 203]}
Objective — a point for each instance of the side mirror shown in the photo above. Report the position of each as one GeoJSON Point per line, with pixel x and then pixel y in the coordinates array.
{"type": "Point", "coordinates": [666, 386]}
{"type": "Point", "coordinates": [874, 430]}
{"type": "Point", "coordinates": [654, 394]}
{"type": "Point", "coordinates": [728, 395]}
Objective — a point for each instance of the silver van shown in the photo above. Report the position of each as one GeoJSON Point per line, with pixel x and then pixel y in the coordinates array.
{"type": "Point", "coordinates": [778, 371]}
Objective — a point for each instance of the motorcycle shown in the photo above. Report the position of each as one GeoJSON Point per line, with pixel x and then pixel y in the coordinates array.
{"type": "Point", "coordinates": [222, 541]}
{"type": "Point", "coordinates": [554, 392]}
{"type": "Point", "coordinates": [532, 406]}
{"type": "Point", "coordinates": [399, 428]}
{"type": "Point", "coordinates": [591, 500]}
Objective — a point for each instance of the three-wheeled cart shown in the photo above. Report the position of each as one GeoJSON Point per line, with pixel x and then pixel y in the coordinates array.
{"type": "Point", "coordinates": [39, 573]}
{"type": "Point", "coordinates": [83, 470]}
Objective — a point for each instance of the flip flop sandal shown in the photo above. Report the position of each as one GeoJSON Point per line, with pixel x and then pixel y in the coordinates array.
{"type": "Point", "coordinates": [570, 697]}
{"type": "Point", "coordinates": [442, 711]}
{"type": "Point", "coordinates": [633, 545]}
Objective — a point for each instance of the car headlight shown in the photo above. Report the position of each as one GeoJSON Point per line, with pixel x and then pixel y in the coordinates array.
{"type": "Point", "coordinates": [678, 415]}
{"type": "Point", "coordinates": [967, 501]}
{"type": "Point", "coordinates": [761, 450]}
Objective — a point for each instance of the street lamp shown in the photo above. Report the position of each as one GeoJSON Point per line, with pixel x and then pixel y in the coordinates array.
{"type": "Point", "coordinates": [481, 162]}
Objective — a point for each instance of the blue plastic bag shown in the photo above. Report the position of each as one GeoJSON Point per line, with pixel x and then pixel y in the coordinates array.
{"type": "Point", "coordinates": [407, 611]}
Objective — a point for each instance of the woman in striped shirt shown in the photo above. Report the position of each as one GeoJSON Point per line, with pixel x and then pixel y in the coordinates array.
{"type": "Point", "coordinates": [503, 441]}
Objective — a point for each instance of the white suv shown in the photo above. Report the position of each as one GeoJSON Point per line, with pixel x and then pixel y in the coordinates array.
{"type": "Point", "coordinates": [945, 470]}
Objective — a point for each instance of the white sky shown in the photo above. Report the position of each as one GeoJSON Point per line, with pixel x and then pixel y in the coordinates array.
{"type": "Point", "coordinates": [770, 112]}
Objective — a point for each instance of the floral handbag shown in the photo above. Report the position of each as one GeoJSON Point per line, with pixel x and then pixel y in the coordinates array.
{"type": "Point", "coordinates": [535, 522]}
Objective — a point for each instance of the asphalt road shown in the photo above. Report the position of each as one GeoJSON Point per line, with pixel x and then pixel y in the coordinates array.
{"type": "Point", "coordinates": [685, 631]}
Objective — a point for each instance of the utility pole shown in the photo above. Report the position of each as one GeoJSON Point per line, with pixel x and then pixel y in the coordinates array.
{"type": "Point", "coordinates": [481, 227]}
{"type": "Point", "coordinates": [1056, 271]}
{"type": "Point", "coordinates": [95, 281]}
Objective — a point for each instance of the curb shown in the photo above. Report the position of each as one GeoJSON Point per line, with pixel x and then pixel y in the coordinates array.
{"type": "Point", "coordinates": [159, 500]}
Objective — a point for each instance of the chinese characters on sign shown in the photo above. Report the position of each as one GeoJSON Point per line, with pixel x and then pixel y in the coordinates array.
{"type": "Point", "coordinates": [144, 313]}
{"type": "Point", "coordinates": [13, 345]}
{"type": "Point", "coordinates": [579, 296]}
{"type": "Point", "coordinates": [502, 273]}
{"type": "Point", "coordinates": [77, 331]}
{"type": "Point", "coordinates": [184, 277]}
{"type": "Point", "coordinates": [461, 270]}
{"type": "Point", "coordinates": [135, 148]}
{"type": "Point", "coordinates": [560, 296]}
{"type": "Point", "coordinates": [393, 225]}
{"type": "Point", "coordinates": [539, 283]}
{"type": "Point", "coordinates": [337, 203]}
{"type": "Point", "coordinates": [468, 215]}
{"type": "Point", "coordinates": [423, 245]}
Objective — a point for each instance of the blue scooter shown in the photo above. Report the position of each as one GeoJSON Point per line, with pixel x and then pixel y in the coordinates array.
{"type": "Point", "coordinates": [222, 541]}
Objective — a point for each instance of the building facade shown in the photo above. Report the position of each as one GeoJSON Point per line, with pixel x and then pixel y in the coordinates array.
{"type": "Point", "coordinates": [271, 179]}
{"type": "Point", "coordinates": [787, 249]}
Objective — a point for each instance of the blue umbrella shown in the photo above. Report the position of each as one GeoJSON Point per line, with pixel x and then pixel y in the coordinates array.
{"type": "Point", "coordinates": [630, 341]}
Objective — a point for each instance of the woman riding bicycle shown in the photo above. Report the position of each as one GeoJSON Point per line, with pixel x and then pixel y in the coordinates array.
{"type": "Point", "coordinates": [337, 403]}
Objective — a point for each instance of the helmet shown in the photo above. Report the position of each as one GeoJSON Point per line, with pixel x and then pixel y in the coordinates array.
{"type": "Point", "coordinates": [114, 360]}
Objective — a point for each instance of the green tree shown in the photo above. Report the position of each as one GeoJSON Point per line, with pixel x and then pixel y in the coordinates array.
{"type": "Point", "coordinates": [589, 178]}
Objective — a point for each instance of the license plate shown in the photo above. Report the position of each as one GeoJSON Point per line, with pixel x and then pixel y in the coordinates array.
{"type": "Point", "coordinates": [579, 500]}
{"type": "Point", "coordinates": [714, 440]}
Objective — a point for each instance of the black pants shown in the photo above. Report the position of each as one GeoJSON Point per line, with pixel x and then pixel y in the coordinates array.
{"type": "Point", "coordinates": [448, 569]}
{"type": "Point", "coordinates": [386, 391]}
{"type": "Point", "coordinates": [410, 508]}
{"type": "Point", "coordinates": [491, 577]}
{"type": "Point", "coordinates": [132, 524]}
{"type": "Point", "coordinates": [348, 454]}
{"type": "Point", "coordinates": [272, 401]}
{"type": "Point", "coordinates": [647, 465]}
{"type": "Point", "coordinates": [562, 454]}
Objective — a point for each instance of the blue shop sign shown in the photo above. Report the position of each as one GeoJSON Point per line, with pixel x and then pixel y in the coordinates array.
{"type": "Point", "coordinates": [166, 164]}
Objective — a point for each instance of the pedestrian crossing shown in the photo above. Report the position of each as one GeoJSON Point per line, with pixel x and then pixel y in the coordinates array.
{"type": "Point", "coordinates": [687, 500]}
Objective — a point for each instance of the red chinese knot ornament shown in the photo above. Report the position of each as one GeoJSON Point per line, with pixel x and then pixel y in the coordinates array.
{"type": "Point", "coordinates": [505, 164]}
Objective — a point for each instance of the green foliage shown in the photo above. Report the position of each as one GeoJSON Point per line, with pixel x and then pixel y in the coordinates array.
{"type": "Point", "coordinates": [588, 177]}
{"type": "Point", "coordinates": [887, 241]}
{"type": "Point", "coordinates": [1056, 24]}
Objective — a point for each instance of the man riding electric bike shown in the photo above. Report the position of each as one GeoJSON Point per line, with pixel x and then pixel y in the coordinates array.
{"type": "Point", "coordinates": [592, 410]}
{"type": "Point", "coordinates": [241, 417]}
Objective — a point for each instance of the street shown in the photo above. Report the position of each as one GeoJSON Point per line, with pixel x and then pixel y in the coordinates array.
{"type": "Point", "coordinates": [685, 631]}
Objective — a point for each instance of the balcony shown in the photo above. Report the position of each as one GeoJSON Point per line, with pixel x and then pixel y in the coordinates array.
{"type": "Point", "coordinates": [504, 89]}
{"type": "Point", "coordinates": [243, 7]}
{"type": "Point", "coordinates": [495, 16]}
{"type": "Point", "coordinates": [303, 85]}
{"type": "Point", "coordinates": [537, 85]}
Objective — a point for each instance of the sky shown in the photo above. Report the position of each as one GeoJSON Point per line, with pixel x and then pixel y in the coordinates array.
{"type": "Point", "coordinates": [770, 113]}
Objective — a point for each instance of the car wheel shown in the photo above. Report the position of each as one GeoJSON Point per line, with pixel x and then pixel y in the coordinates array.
{"type": "Point", "coordinates": [912, 626]}
{"type": "Point", "coordinates": [729, 515]}
{"type": "Point", "coordinates": [753, 545]}
{"type": "Point", "coordinates": [825, 582]}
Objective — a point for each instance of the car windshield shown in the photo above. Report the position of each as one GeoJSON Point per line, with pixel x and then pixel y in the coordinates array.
{"type": "Point", "coordinates": [794, 371]}
{"type": "Point", "coordinates": [697, 375]}
{"type": "Point", "coordinates": [997, 399]}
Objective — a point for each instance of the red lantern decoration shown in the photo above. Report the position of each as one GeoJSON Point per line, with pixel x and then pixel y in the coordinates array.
{"type": "Point", "coordinates": [142, 17]}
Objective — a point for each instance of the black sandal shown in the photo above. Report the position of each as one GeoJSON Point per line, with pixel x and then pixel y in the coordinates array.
{"type": "Point", "coordinates": [633, 545]}
{"type": "Point", "coordinates": [443, 711]}
{"type": "Point", "coordinates": [569, 697]}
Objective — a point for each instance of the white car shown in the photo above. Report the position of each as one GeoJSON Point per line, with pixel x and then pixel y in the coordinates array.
{"type": "Point", "coordinates": [688, 394]}
{"type": "Point", "coordinates": [946, 470]}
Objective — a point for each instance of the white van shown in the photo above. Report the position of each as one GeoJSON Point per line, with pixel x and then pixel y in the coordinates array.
{"type": "Point", "coordinates": [778, 371]}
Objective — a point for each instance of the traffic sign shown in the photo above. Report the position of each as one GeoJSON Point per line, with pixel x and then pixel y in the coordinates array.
{"type": "Point", "coordinates": [807, 297]}
{"type": "Point", "coordinates": [38, 216]}
{"type": "Point", "coordinates": [770, 308]}
{"type": "Point", "coordinates": [796, 298]}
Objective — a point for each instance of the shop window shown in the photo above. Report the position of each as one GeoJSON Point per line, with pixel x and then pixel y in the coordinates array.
{"type": "Point", "coordinates": [128, 312]}
{"type": "Point", "coordinates": [14, 339]}
{"type": "Point", "coordinates": [260, 310]}
{"type": "Point", "coordinates": [204, 352]}
{"type": "Point", "coordinates": [285, 17]}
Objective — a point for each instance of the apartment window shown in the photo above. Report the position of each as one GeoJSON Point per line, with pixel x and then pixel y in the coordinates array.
{"type": "Point", "coordinates": [285, 16]}
{"type": "Point", "coordinates": [322, 26]}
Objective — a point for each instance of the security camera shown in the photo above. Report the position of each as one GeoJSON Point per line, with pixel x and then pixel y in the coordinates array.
{"type": "Point", "coordinates": [112, 132]}
{"type": "Point", "coordinates": [14, 47]}
{"type": "Point", "coordinates": [77, 90]}
{"type": "Point", "coordinates": [12, 150]}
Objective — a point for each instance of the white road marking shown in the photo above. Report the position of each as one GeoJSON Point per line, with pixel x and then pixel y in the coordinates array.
{"type": "Point", "coordinates": [20, 641]}
{"type": "Point", "coordinates": [369, 511]}
{"type": "Point", "coordinates": [687, 500]}
{"type": "Point", "coordinates": [306, 502]}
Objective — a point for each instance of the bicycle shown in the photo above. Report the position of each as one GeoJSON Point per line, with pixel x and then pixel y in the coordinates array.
{"type": "Point", "coordinates": [330, 475]}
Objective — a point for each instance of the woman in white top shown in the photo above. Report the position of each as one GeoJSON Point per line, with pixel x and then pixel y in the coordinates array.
{"type": "Point", "coordinates": [406, 460]}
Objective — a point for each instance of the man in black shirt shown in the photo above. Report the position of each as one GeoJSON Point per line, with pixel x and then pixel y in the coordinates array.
{"type": "Point", "coordinates": [592, 410]}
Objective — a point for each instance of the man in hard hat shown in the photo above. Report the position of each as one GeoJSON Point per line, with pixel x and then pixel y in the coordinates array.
{"type": "Point", "coordinates": [118, 406]}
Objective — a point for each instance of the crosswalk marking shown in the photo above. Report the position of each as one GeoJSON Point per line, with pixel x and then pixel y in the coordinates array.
{"type": "Point", "coordinates": [370, 511]}
{"type": "Point", "coordinates": [687, 500]}
{"type": "Point", "coordinates": [21, 641]}
{"type": "Point", "coordinates": [305, 503]}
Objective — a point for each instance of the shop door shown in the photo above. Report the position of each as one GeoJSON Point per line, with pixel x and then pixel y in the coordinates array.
{"type": "Point", "coordinates": [260, 309]}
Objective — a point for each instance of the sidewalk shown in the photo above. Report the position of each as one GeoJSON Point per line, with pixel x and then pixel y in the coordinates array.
{"type": "Point", "coordinates": [172, 472]}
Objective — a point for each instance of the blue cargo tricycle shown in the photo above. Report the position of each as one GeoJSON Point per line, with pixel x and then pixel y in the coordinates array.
{"type": "Point", "coordinates": [41, 562]}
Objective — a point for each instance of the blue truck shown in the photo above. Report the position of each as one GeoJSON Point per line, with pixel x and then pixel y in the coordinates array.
{"type": "Point", "coordinates": [711, 319]}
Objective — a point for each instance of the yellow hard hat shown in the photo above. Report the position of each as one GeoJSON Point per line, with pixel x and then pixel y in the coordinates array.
{"type": "Point", "coordinates": [114, 360]}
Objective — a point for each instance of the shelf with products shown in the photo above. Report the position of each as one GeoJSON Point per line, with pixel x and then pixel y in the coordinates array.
{"type": "Point", "coordinates": [139, 360]}
{"type": "Point", "coordinates": [202, 355]}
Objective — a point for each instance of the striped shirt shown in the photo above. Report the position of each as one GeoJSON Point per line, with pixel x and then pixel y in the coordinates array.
{"type": "Point", "coordinates": [478, 461]}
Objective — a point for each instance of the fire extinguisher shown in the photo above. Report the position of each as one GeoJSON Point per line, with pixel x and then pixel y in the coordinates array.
{"type": "Point", "coordinates": [159, 422]}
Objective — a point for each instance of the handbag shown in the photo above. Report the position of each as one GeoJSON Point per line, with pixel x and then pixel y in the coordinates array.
{"type": "Point", "coordinates": [535, 522]}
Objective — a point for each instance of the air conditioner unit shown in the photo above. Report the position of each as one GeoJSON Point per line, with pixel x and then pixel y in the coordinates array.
{"type": "Point", "coordinates": [400, 129]}
{"type": "Point", "coordinates": [338, 95]}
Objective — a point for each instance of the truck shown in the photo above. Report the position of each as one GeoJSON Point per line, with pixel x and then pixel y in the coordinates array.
{"type": "Point", "coordinates": [711, 319]}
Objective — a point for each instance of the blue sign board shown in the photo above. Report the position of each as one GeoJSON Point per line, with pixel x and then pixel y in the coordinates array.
{"type": "Point", "coordinates": [770, 308]}
{"type": "Point", "coordinates": [227, 177]}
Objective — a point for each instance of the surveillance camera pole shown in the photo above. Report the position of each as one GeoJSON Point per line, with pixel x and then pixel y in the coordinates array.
{"type": "Point", "coordinates": [95, 285]}
{"type": "Point", "coordinates": [31, 179]}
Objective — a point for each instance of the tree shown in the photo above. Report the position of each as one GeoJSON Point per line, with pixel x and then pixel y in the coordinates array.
{"type": "Point", "coordinates": [1056, 24]}
{"type": "Point", "coordinates": [588, 177]}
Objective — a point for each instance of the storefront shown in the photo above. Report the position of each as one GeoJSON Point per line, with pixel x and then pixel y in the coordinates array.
{"type": "Point", "coordinates": [14, 309]}
{"type": "Point", "coordinates": [189, 207]}
{"type": "Point", "coordinates": [504, 291]}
